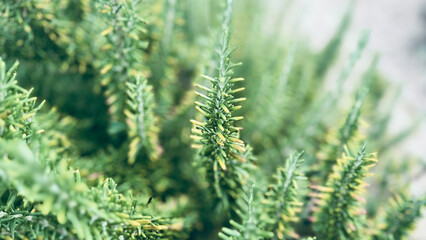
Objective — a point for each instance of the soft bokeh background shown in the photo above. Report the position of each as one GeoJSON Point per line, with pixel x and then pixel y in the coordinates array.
{"type": "Point", "coordinates": [398, 34]}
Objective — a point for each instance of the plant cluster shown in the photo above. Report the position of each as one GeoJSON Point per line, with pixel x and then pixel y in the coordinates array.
{"type": "Point", "coordinates": [152, 126]}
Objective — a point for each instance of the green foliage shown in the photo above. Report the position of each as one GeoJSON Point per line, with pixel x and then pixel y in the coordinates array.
{"type": "Point", "coordinates": [60, 204]}
{"type": "Point", "coordinates": [120, 79]}
{"type": "Point", "coordinates": [120, 59]}
{"type": "Point", "coordinates": [400, 217]}
{"type": "Point", "coordinates": [142, 129]}
{"type": "Point", "coordinates": [330, 52]}
{"type": "Point", "coordinates": [17, 108]}
{"type": "Point", "coordinates": [250, 227]}
{"type": "Point", "coordinates": [95, 213]}
{"type": "Point", "coordinates": [281, 203]}
{"type": "Point", "coordinates": [223, 154]}
{"type": "Point", "coordinates": [346, 134]}
{"type": "Point", "coordinates": [340, 202]}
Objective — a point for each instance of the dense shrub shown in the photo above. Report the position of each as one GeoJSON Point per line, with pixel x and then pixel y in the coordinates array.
{"type": "Point", "coordinates": [153, 95]}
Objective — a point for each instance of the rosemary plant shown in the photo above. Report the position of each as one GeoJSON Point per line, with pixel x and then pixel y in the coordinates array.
{"type": "Point", "coordinates": [100, 146]}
